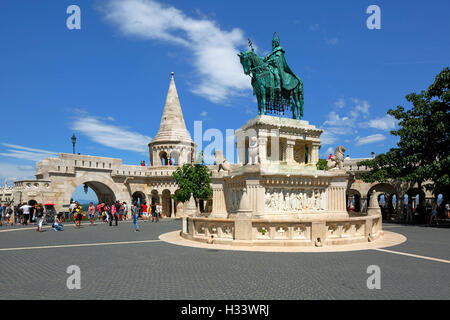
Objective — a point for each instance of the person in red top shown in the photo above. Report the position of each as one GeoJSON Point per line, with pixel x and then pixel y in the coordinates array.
{"type": "Point", "coordinates": [144, 211]}
{"type": "Point", "coordinates": [99, 210]}
{"type": "Point", "coordinates": [330, 156]}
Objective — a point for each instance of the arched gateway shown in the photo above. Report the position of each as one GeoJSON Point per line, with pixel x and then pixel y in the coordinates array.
{"type": "Point", "coordinates": [110, 179]}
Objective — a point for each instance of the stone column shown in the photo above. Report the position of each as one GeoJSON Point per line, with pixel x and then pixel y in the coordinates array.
{"type": "Point", "coordinates": [363, 203]}
{"type": "Point", "coordinates": [315, 153]}
{"type": "Point", "coordinates": [219, 209]}
{"type": "Point", "coordinates": [290, 151]}
{"type": "Point", "coordinates": [240, 145]}
{"type": "Point", "coordinates": [174, 204]}
{"type": "Point", "coordinates": [262, 149]}
{"type": "Point", "coordinates": [243, 221]}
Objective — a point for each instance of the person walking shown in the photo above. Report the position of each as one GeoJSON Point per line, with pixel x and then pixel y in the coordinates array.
{"type": "Point", "coordinates": [135, 213]}
{"type": "Point", "coordinates": [145, 212]}
{"type": "Point", "coordinates": [113, 214]}
{"type": "Point", "coordinates": [78, 215]}
{"type": "Point", "coordinates": [99, 211]}
{"type": "Point", "coordinates": [434, 214]}
{"type": "Point", "coordinates": [18, 214]}
{"type": "Point", "coordinates": [40, 211]}
{"type": "Point", "coordinates": [1, 215]}
{"type": "Point", "coordinates": [91, 213]}
{"type": "Point", "coordinates": [25, 208]}
{"type": "Point", "coordinates": [121, 211]}
{"type": "Point", "coordinates": [159, 210]}
{"type": "Point", "coordinates": [154, 213]}
{"type": "Point", "coordinates": [107, 212]}
{"type": "Point", "coordinates": [125, 210]}
{"type": "Point", "coordinates": [9, 215]}
{"type": "Point", "coordinates": [447, 210]}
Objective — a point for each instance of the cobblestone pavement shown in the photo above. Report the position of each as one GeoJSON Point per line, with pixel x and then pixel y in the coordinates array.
{"type": "Point", "coordinates": [146, 269]}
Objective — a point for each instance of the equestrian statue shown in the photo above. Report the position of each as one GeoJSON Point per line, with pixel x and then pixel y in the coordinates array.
{"type": "Point", "coordinates": [275, 85]}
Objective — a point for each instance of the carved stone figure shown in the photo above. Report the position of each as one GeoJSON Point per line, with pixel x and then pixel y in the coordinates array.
{"type": "Point", "coordinates": [337, 160]}
{"type": "Point", "coordinates": [253, 151]}
{"type": "Point", "coordinates": [221, 162]}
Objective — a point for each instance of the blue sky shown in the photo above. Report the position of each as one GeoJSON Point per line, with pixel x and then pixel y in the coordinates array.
{"type": "Point", "coordinates": [107, 82]}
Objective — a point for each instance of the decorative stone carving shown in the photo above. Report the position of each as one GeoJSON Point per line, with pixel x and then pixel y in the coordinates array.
{"type": "Point", "coordinates": [253, 151]}
{"type": "Point", "coordinates": [297, 200]}
{"type": "Point", "coordinates": [338, 159]}
{"type": "Point", "coordinates": [221, 162]}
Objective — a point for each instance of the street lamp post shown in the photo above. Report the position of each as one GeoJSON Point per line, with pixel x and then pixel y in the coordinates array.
{"type": "Point", "coordinates": [74, 140]}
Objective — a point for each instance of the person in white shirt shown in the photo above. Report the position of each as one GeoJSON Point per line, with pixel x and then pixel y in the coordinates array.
{"type": "Point", "coordinates": [26, 213]}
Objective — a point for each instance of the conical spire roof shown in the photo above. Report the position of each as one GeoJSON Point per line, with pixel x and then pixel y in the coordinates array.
{"type": "Point", "coordinates": [172, 127]}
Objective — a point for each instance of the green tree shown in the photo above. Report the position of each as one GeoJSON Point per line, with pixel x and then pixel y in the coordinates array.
{"type": "Point", "coordinates": [422, 152]}
{"type": "Point", "coordinates": [195, 179]}
{"type": "Point", "coordinates": [321, 164]}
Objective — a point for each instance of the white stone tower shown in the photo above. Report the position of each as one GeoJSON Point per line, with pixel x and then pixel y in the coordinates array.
{"type": "Point", "coordinates": [172, 144]}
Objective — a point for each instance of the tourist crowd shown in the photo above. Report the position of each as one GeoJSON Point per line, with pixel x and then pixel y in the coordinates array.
{"type": "Point", "coordinates": [25, 214]}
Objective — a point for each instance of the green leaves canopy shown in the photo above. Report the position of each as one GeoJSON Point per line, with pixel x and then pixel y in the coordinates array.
{"type": "Point", "coordinates": [193, 178]}
{"type": "Point", "coordinates": [422, 152]}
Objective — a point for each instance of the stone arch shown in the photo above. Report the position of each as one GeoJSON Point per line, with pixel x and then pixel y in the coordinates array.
{"type": "Point", "coordinates": [139, 196]}
{"type": "Point", "coordinates": [163, 157]}
{"type": "Point", "coordinates": [387, 191]}
{"type": "Point", "coordinates": [103, 186]}
{"type": "Point", "coordinates": [353, 200]}
{"type": "Point", "coordinates": [154, 197]}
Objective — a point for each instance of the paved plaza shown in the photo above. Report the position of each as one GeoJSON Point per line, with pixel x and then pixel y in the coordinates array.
{"type": "Point", "coordinates": [117, 263]}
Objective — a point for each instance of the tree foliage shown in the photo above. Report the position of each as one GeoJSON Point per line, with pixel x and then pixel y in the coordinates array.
{"type": "Point", "coordinates": [422, 152]}
{"type": "Point", "coordinates": [193, 178]}
{"type": "Point", "coordinates": [321, 164]}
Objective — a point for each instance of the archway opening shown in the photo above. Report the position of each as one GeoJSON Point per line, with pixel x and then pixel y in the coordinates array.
{"type": "Point", "coordinates": [155, 197]}
{"type": "Point", "coordinates": [353, 201]}
{"type": "Point", "coordinates": [93, 191]}
{"type": "Point", "coordinates": [164, 158]}
{"type": "Point", "coordinates": [385, 193]}
{"type": "Point", "coordinates": [139, 198]}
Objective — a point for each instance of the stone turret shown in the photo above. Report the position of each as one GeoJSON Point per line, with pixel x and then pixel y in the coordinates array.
{"type": "Point", "coordinates": [172, 144]}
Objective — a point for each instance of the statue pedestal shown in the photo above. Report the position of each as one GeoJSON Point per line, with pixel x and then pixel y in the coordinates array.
{"type": "Point", "coordinates": [276, 195]}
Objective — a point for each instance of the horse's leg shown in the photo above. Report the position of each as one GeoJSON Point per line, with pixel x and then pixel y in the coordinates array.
{"type": "Point", "coordinates": [258, 99]}
{"type": "Point", "coordinates": [297, 104]}
{"type": "Point", "coordinates": [293, 105]}
{"type": "Point", "coordinates": [263, 98]}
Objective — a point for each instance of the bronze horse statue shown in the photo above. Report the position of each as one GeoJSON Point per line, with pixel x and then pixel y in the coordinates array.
{"type": "Point", "coordinates": [264, 83]}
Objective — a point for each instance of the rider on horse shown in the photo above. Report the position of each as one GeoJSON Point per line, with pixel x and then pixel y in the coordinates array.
{"type": "Point", "coordinates": [283, 75]}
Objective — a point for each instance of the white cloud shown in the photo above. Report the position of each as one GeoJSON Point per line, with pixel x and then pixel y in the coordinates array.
{"type": "Point", "coordinates": [340, 103]}
{"type": "Point", "coordinates": [369, 139]}
{"type": "Point", "coordinates": [386, 123]}
{"type": "Point", "coordinates": [203, 114]}
{"type": "Point", "coordinates": [10, 172]}
{"type": "Point", "coordinates": [115, 137]}
{"type": "Point", "coordinates": [332, 41]}
{"type": "Point", "coordinates": [314, 27]}
{"type": "Point", "coordinates": [361, 107]}
{"type": "Point", "coordinates": [337, 125]}
{"type": "Point", "coordinates": [214, 50]}
{"type": "Point", "coordinates": [335, 120]}
{"type": "Point", "coordinates": [25, 153]}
